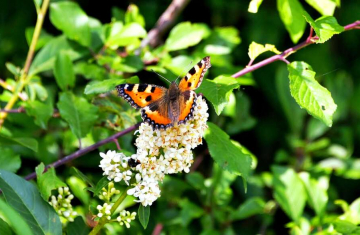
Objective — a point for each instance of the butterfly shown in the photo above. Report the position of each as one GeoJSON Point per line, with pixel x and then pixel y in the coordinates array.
{"type": "Point", "coordinates": [162, 107]}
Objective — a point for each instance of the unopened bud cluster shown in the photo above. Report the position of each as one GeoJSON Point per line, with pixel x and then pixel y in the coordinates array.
{"type": "Point", "coordinates": [104, 210]}
{"type": "Point", "coordinates": [62, 205]}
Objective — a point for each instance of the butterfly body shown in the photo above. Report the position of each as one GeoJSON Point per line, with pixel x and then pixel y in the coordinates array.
{"type": "Point", "coordinates": [161, 107]}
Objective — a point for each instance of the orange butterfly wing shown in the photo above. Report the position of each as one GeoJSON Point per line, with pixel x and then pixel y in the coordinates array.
{"type": "Point", "coordinates": [140, 95]}
{"type": "Point", "coordinates": [194, 77]}
{"type": "Point", "coordinates": [151, 99]}
{"type": "Point", "coordinates": [190, 82]}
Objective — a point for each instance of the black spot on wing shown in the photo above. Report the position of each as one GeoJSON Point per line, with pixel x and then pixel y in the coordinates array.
{"type": "Point", "coordinates": [192, 71]}
{"type": "Point", "coordinates": [148, 98]}
{"type": "Point", "coordinates": [130, 87]}
{"type": "Point", "coordinates": [189, 84]}
{"type": "Point", "coordinates": [153, 89]}
{"type": "Point", "coordinates": [200, 64]}
{"type": "Point", "coordinates": [142, 87]}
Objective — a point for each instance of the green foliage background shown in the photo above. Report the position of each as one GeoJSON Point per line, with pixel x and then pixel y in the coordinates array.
{"type": "Point", "coordinates": [304, 175]}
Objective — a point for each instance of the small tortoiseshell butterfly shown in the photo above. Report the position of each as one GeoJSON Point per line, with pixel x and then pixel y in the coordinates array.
{"type": "Point", "coordinates": [161, 107]}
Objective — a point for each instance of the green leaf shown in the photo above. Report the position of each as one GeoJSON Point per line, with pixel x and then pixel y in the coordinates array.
{"type": "Point", "coordinates": [346, 228]}
{"type": "Point", "coordinates": [222, 41]}
{"type": "Point", "coordinates": [241, 119]}
{"type": "Point", "coordinates": [256, 49]}
{"type": "Point", "coordinates": [293, 114]}
{"type": "Point", "coordinates": [291, 15]}
{"type": "Point", "coordinates": [133, 15]}
{"type": "Point", "coordinates": [4, 227]}
{"type": "Point", "coordinates": [26, 200]}
{"type": "Point", "coordinates": [78, 227]}
{"type": "Point", "coordinates": [43, 39]}
{"type": "Point", "coordinates": [317, 192]}
{"type": "Point", "coordinates": [189, 211]}
{"type": "Point", "coordinates": [90, 71]}
{"type": "Point", "coordinates": [102, 183]}
{"type": "Point", "coordinates": [98, 87]}
{"type": "Point", "coordinates": [83, 177]}
{"type": "Point", "coordinates": [218, 91]}
{"type": "Point", "coordinates": [289, 192]}
{"type": "Point", "coordinates": [72, 20]}
{"type": "Point", "coordinates": [250, 207]}
{"type": "Point", "coordinates": [47, 181]}
{"type": "Point", "coordinates": [45, 59]}
{"type": "Point", "coordinates": [130, 64]}
{"type": "Point", "coordinates": [78, 112]}
{"type": "Point", "coordinates": [9, 160]}
{"type": "Point", "coordinates": [144, 215]}
{"type": "Point", "coordinates": [41, 111]}
{"type": "Point", "coordinates": [124, 35]}
{"type": "Point", "coordinates": [226, 153]}
{"type": "Point", "coordinates": [352, 212]}
{"type": "Point", "coordinates": [196, 180]}
{"type": "Point", "coordinates": [324, 7]}
{"type": "Point", "coordinates": [63, 71]}
{"type": "Point", "coordinates": [78, 187]}
{"type": "Point", "coordinates": [15, 221]}
{"type": "Point", "coordinates": [184, 35]}
{"type": "Point", "coordinates": [254, 6]}
{"type": "Point", "coordinates": [25, 142]}
{"type": "Point", "coordinates": [309, 94]}
{"type": "Point", "coordinates": [325, 27]}
{"type": "Point", "coordinates": [15, 70]}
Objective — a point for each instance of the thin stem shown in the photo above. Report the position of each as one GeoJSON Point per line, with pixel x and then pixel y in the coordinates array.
{"type": "Point", "coordinates": [164, 22]}
{"type": "Point", "coordinates": [286, 53]}
{"type": "Point", "coordinates": [83, 151]}
{"type": "Point", "coordinates": [24, 76]}
{"type": "Point", "coordinates": [103, 220]}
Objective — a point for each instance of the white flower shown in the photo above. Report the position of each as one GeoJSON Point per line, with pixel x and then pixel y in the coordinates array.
{"type": "Point", "coordinates": [159, 152]}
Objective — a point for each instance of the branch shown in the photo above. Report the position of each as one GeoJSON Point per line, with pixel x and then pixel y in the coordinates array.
{"type": "Point", "coordinates": [165, 21]}
{"type": "Point", "coordinates": [310, 40]}
{"type": "Point", "coordinates": [86, 150]}
{"type": "Point", "coordinates": [24, 76]}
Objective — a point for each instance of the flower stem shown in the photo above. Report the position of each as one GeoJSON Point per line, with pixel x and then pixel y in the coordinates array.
{"type": "Point", "coordinates": [104, 220]}
{"type": "Point", "coordinates": [24, 76]}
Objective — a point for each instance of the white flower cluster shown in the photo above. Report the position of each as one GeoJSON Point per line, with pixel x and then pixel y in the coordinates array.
{"type": "Point", "coordinates": [159, 152]}
{"type": "Point", "coordinates": [62, 205]}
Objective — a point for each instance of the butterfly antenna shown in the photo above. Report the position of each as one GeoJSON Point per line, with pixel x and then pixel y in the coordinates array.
{"type": "Point", "coordinates": [161, 76]}
{"type": "Point", "coordinates": [183, 71]}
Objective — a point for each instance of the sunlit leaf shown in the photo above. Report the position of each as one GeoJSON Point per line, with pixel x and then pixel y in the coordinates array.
{"type": "Point", "coordinates": [289, 192]}
{"type": "Point", "coordinates": [292, 17]}
{"type": "Point", "coordinates": [309, 94]}
{"type": "Point", "coordinates": [254, 6]}
{"type": "Point", "coordinates": [316, 191]}
{"type": "Point", "coordinates": [256, 49]}
{"type": "Point", "coordinates": [218, 91]}
{"type": "Point", "coordinates": [132, 14]}
{"type": "Point", "coordinates": [325, 27]}
{"type": "Point", "coordinates": [184, 35]}
{"type": "Point", "coordinates": [72, 20]}
{"type": "Point", "coordinates": [47, 181]}
{"type": "Point", "coordinates": [325, 7]}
